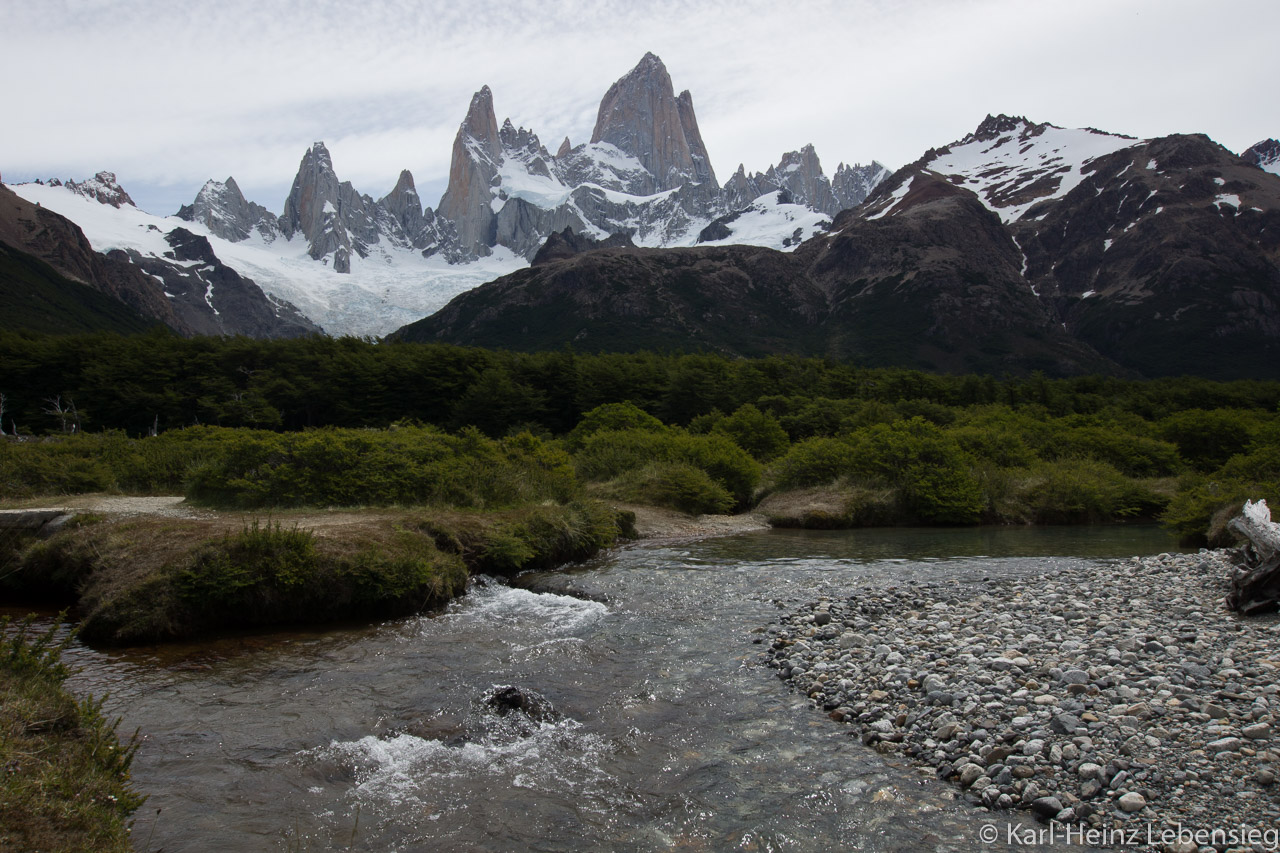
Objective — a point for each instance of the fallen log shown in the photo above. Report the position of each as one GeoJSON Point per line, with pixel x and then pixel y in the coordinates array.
{"type": "Point", "coordinates": [1255, 583]}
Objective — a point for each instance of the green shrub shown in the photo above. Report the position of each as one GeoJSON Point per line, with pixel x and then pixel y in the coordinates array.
{"type": "Point", "coordinates": [754, 431]}
{"type": "Point", "coordinates": [1130, 454]}
{"type": "Point", "coordinates": [1207, 439]}
{"type": "Point", "coordinates": [606, 455]}
{"type": "Point", "coordinates": [812, 462]}
{"type": "Point", "coordinates": [612, 417]}
{"type": "Point", "coordinates": [932, 474]}
{"type": "Point", "coordinates": [407, 465]}
{"type": "Point", "coordinates": [1074, 491]}
{"type": "Point", "coordinates": [676, 485]}
{"type": "Point", "coordinates": [999, 445]}
{"type": "Point", "coordinates": [1202, 498]}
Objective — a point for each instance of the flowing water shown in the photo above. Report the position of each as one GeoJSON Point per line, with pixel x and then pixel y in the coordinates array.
{"type": "Point", "coordinates": [669, 733]}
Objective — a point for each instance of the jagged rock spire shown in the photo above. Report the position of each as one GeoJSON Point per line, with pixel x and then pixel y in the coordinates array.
{"type": "Point", "coordinates": [641, 116]}
{"type": "Point", "coordinates": [477, 153]}
{"type": "Point", "coordinates": [689, 124]}
{"type": "Point", "coordinates": [223, 209]}
{"type": "Point", "coordinates": [404, 205]}
{"type": "Point", "coordinates": [314, 186]}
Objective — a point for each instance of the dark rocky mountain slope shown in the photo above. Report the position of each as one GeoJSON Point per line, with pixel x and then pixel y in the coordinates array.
{"type": "Point", "coordinates": [189, 290]}
{"type": "Point", "coordinates": [1021, 247]}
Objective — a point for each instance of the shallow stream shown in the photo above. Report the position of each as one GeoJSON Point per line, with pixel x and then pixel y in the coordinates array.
{"type": "Point", "coordinates": [669, 733]}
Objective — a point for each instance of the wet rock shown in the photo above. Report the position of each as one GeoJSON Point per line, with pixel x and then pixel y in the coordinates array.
{"type": "Point", "coordinates": [507, 700]}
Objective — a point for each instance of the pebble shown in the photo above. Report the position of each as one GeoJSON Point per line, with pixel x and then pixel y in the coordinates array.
{"type": "Point", "coordinates": [1082, 695]}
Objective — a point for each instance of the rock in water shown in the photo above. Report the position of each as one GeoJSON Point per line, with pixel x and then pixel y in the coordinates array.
{"type": "Point", "coordinates": [509, 699]}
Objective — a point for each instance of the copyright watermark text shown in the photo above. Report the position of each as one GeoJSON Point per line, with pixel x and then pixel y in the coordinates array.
{"type": "Point", "coordinates": [1020, 835]}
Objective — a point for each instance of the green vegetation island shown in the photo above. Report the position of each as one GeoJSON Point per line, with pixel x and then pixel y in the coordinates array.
{"type": "Point", "coordinates": [335, 480]}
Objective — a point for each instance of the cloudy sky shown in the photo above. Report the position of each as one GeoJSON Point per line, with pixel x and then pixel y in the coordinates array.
{"type": "Point", "coordinates": [168, 93]}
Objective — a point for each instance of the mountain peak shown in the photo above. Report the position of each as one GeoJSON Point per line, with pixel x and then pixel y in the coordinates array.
{"type": "Point", "coordinates": [993, 127]}
{"type": "Point", "coordinates": [1264, 155]}
{"type": "Point", "coordinates": [641, 116]}
{"type": "Point", "coordinates": [481, 124]}
{"type": "Point", "coordinates": [102, 188]}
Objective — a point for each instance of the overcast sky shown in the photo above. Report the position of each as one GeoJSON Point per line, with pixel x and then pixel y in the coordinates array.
{"type": "Point", "coordinates": [168, 93]}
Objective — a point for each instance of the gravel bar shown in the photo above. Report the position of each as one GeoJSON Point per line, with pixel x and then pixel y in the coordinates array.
{"type": "Point", "coordinates": [1114, 695]}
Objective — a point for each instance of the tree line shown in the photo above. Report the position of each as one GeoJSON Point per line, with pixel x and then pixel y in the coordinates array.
{"type": "Point", "coordinates": [150, 383]}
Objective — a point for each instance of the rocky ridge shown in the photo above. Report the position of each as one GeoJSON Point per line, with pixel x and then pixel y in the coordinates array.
{"type": "Point", "coordinates": [103, 188]}
{"type": "Point", "coordinates": [187, 288]}
{"type": "Point", "coordinates": [915, 289]}
{"type": "Point", "coordinates": [645, 173]}
{"type": "Point", "coordinates": [1265, 155]}
{"type": "Point", "coordinates": [1109, 695]}
{"type": "Point", "coordinates": [223, 209]}
{"type": "Point", "coordinates": [59, 242]}
{"type": "Point", "coordinates": [211, 298]}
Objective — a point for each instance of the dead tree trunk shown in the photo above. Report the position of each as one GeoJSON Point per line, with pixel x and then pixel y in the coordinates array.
{"type": "Point", "coordinates": [1255, 584]}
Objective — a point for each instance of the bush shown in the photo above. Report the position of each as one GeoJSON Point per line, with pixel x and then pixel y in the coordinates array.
{"type": "Point", "coordinates": [754, 431]}
{"type": "Point", "coordinates": [612, 417]}
{"type": "Point", "coordinates": [930, 471]}
{"type": "Point", "coordinates": [1074, 491]}
{"type": "Point", "coordinates": [407, 466]}
{"type": "Point", "coordinates": [1202, 498]}
{"type": "Point", "coordinates": [812, 462]}
{"type": "Point", "coordinates": [1130, 454]}
{"type": "Point", "coordinates": [676, 485]}
{"type": "Point", "coordinates": [606, 455]}
{"type": "Point", "coordinates": [1207, 439]}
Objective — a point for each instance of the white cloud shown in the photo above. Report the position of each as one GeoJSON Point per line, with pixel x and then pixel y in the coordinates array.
{"type": "Point", "coordinates": [170, 94]}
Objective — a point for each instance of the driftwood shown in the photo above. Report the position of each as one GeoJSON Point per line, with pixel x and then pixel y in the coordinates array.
{"type": "Point", "coordinates": [1255, 584]}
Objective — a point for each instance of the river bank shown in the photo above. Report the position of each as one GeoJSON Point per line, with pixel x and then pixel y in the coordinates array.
{"type": "Point", "coordinates": [148, 569]}
{"type": "Point", "coordinates": [1118, 696]}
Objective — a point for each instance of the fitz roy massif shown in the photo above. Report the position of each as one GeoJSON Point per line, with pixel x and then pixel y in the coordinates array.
{"type": "Point", "coordinates": [1023, 246]}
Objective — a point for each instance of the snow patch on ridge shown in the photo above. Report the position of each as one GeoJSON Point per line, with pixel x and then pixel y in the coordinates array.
{"type": "Point", "coordinates": [774, 224]}
{"type": "Point", "coordinates": [1003, 173]}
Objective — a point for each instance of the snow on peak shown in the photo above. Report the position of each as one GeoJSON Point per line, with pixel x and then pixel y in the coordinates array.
{"type": "Point", "coordinates": [1011, 163]}
{"type": "Point", "coordinates": [772, 220]}
{"type": "Point", "coordinates": [102, 188]}
{"type": "Point", "coordinates": [1265, 155]}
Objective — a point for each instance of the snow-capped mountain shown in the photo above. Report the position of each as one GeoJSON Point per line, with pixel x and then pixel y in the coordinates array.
{"type": "Point", "coordinates": [1264, 155]}
{"type": "Point", "coordinates": [361, 266]}
{"type": "Point", "coordinates": [800, 174]}
{"type": "Point", "coordinates": [1012, 164]}
{"type": "Point", "coordinates": [168, 275]}
{"type": "Point", "coordinates": [1023, 246]}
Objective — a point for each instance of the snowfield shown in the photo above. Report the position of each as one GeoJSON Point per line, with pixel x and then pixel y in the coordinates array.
{"type": "Point", "coordinates": [998, 170]}
{"type": "Point", "coordinates": [767, 222]}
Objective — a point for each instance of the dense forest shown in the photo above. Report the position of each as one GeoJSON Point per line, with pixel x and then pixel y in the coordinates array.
{"type": "Point", "coordinates": [159, 382]}
{"type": "Point", "coordinates": [320, 421]}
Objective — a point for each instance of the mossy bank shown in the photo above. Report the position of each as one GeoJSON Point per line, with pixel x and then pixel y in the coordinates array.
{"type": "Point", "coordinates": [153, 578]}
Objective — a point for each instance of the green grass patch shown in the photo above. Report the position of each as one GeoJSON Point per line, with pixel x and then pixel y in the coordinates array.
{"type": "Point", "coordinates": [64, 775]}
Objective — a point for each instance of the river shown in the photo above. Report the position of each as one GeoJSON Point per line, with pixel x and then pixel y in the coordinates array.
{"type": "Point", "coordinates": [668, 731]}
